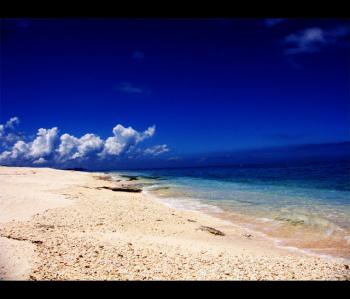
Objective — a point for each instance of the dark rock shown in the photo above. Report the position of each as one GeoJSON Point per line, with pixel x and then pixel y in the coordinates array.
{"type": "Point", "coordinates": [124, 189]}
{"type": "Point", "coordinates": [37, 242]}
{"type": "Point", "coordinates": [211, 230]}
{"type": "Point", "coordinates": [346, 267]}
{"type": "Point", "coordinates": [77, 169]}
{"type": "Point", "coordinates": [130, 177]}
{"type": "Point", "coordinates": [190, 220]}
{"type": "Point", "coordinates": [133, 179]}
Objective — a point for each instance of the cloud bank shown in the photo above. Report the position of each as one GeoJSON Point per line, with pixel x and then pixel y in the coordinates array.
{"type": "Point", "coordinates": [49, 148]}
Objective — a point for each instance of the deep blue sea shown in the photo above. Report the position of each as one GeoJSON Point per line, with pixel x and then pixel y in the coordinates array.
{"type": "Point", "coordinates": [305, 206]}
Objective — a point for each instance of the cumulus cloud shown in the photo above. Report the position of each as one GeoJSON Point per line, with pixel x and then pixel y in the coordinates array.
{"type": "Point", "coordinates": [43, 144]}
{"type": "Point", "coordinates": [72, 148]}
{"type": "Point", "coordinates": [50, 148]}
{"type": "Point", "coordinates": [19, 150]}
{"type": "Point", "coordinates": [7, 135]}
{"type": "Point", "coordinates": [68, 146]}
{"type": "Point", "coordinates": [124, 139]}
{"type": "Point", "coordinates": [156, 150]}
{"type": "Point", "coordinates": [313, 39]}
{"type": "Point", "coordinates": [5, 155]}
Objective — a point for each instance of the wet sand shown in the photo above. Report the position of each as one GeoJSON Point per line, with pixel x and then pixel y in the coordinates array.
{"type": "Point", "coordinates": [63, 225]}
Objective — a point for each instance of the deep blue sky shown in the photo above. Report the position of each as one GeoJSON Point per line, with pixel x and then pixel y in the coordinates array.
{"type": "Point", "coordinates": [207, 85]}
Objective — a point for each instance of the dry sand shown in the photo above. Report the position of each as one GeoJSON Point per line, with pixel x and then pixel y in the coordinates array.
{"type": "Point", "coordinates": [56, 225]}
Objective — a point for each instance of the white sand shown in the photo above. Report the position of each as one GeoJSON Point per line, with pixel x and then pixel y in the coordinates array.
{"type": "Point", "coordinates": [66, 229]}
{"type": "Point", "coordinates": [16, 259]}
{"type": "Point", "coordinates": [27, 191]}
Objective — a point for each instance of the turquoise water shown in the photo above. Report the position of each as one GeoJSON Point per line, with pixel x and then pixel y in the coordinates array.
{"type": "Point", "coordinates": [306, 206]}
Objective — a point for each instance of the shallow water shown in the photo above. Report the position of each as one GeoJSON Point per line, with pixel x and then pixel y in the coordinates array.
{"type": "Point", "coordinates": [305, 206]}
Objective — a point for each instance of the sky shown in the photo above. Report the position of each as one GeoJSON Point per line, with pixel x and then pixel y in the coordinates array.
{"type": "Point", "coordinates": [175, 87]}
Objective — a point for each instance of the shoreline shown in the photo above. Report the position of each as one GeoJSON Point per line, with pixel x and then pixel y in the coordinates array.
{"type": "Point", "coordinates": [257, 225]}
{"type": "Point", "coordinates": [277, 242]}
{"type": "Point", "coordinates": [76, 230]}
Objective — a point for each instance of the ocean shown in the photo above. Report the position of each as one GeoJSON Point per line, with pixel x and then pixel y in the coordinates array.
{"type": "Point", "coordinates": [304, 206]}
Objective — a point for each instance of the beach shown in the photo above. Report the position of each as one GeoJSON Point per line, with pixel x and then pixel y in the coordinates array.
{"type": "Point", "coordinates": [72, 225]}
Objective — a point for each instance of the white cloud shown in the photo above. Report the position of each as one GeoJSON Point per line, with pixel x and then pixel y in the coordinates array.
{"type": "Point", "coordinates": [149, 132]}
{"type": "Point", "coordinates": [313, 39]}
{"type": "Point", "coordinates": [157, 150]}
{"type": "Point", "coordinates": [40, 161]}
{"type": "Point", "coordinates": [7, 135]}
{"type": "Point", "coordinates": [73, 148]}
{"type": "Point", "coordinates": [89, 143]}
{"type": "Point", "coordinates": [54, 150]}
{"type": "Point", "coordinates": [124, 138]}
{"type": "Point", "coordinates": [68, 146]}
{"type": "Point", "coordinates": [19, 151]}
{"type": "Point", "coordinates": [5, 156]}
{"type": "Point", "coordinates": [9, 138]}
{"type": "Point", "coordinates": [43, 144]}
{"type": "Point", "coordinates": [112, 147]}
{"type": "Point", "coordinates": [12, 122]}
